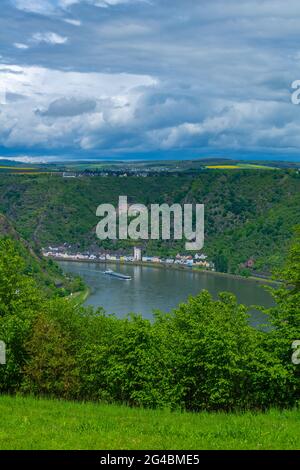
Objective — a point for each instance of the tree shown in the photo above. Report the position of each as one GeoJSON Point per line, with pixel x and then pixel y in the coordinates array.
{"type": "Point", "coordinates": [20, 301]}
{"type": "Point", "coordinates": [221, 262]}
{"type": "Point", "coordinates": [285, 318]}
{"type": "Point", "coordinates": [51, 369]}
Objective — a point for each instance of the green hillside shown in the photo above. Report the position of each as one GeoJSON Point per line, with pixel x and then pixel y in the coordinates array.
{"type": "Point", "coordinates": [29, 424]}
{"type": "Point", "coordinates": [47, 274]}
{"type": "Point", "coordinates": [249, 214]}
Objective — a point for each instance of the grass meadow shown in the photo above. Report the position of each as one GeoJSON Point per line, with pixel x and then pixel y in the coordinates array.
{"type": "Point", "coordinates": [34, 424]}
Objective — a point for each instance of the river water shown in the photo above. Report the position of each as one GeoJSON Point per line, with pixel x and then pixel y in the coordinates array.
{"type": "Point", "coordinates": [153, 288]}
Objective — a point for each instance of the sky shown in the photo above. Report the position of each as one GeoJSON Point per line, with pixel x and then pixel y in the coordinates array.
{"type": "Point", "coordinates": [89, 79]}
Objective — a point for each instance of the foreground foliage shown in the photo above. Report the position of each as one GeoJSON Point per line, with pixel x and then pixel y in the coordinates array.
{"type": "Point", "coordinates": [202, 356]}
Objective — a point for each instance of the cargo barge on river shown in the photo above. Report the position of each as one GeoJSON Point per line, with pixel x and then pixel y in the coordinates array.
{"type": "Point", "coordinates": [123, 277]}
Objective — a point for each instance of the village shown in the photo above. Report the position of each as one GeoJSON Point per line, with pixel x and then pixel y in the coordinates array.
{"type": "Point", "coordinates": [65, 253]}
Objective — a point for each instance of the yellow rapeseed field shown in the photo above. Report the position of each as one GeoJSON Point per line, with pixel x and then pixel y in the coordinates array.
{"type": "Point", "coordinates": [222, 167]}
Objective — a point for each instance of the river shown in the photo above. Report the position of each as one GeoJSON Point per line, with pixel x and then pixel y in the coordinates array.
{"type": "Point", "coordinates": [152, 288]}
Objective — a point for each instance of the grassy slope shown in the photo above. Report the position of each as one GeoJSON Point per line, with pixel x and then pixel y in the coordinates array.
{"type": "Point", "coordinates": [28, 423]}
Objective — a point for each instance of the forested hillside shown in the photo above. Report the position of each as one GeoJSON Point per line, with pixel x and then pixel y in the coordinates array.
{"type": "Point", "coordinates": [47, 274]}
{"type": "Point", "coordinates": [249, 214]}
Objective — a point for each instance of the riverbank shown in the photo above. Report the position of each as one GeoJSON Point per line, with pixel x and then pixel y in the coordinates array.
{"type": "Point", "coordinates": [161, 288]}
{"type": "Point", "coordinates": [80, 297]}
{"type": "Point", "coordinates": [178, 267]}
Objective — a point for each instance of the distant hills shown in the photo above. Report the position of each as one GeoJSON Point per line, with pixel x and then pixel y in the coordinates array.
{"type": "Point", "coordinates": [127, 164]}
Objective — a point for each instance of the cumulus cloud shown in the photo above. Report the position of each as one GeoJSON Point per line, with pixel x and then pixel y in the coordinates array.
{"type": "Point", "coordinates": [72, 22]}
{"type": "Point", "coordinates": [63, 107]}
{"type": "Point", "coordinates": [43, 7]}
{"type": "Point", "coordinates": [49, 38]}
{"type": "Point", "coordinates": [20, 45]}
{"type": "Point", "coordinates": [50, 7]}
{"type": "Point", "coordinates": [57, 109]}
